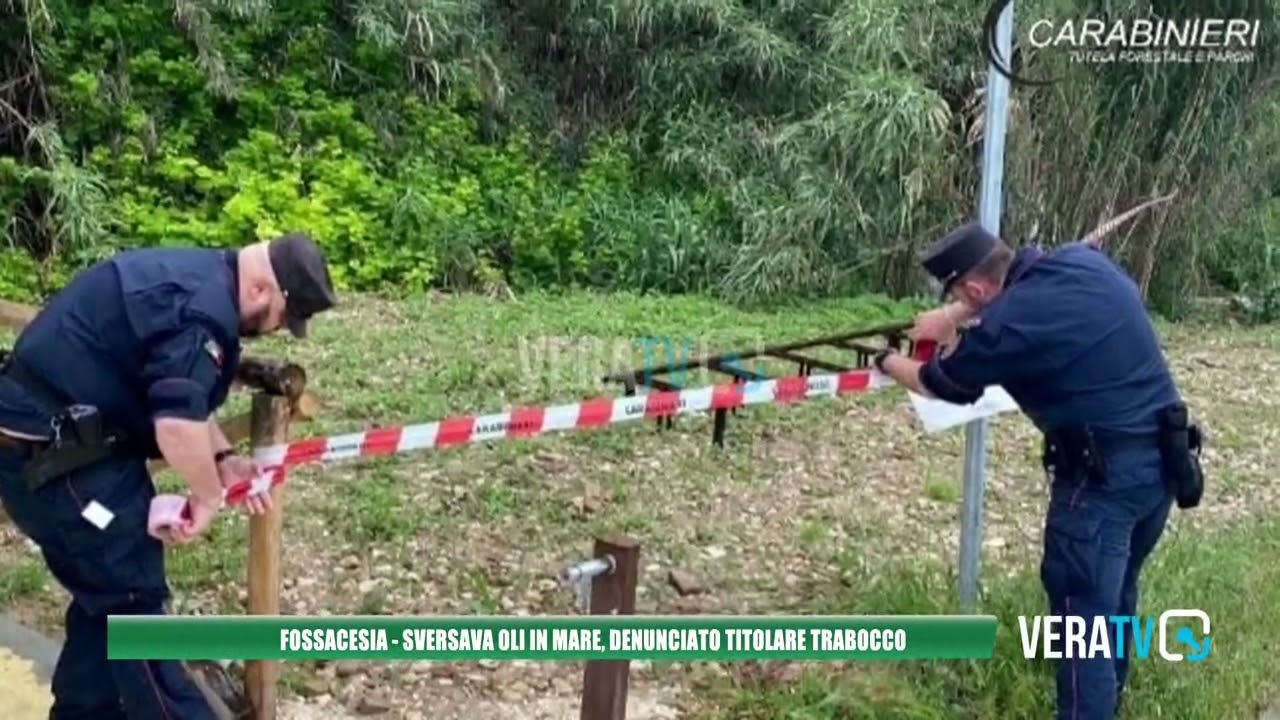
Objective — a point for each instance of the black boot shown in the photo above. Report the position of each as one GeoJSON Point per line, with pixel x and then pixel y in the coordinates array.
{"type": "Point", "coordinates": [219, 689]}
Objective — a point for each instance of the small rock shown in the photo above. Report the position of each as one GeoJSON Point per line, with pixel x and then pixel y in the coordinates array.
{"type": "Point", "coordinates": [547, 457]}
{"type": "Point", "coordinates": [691, 605]}
{"type": "Point", "coordinates": [351, 562]}
{"type": "Point", "coordinates": [367, 586]}
{"type": "Point", "coordinates": [715, 553]}
{"type": "Point", "coordinates": [346, 668]}
{"type": "Point", "coordinates": [313, 687]}
{"type": "Point", "coordinates": [584, 506]}
{"type": "Point", "coordinates": [372, 704]}
{"type": "Point", "coordinates": [685, 582]}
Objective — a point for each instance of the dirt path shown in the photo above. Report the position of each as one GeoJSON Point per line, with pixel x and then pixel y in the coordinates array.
{"type": "Point", "coordinates": [26, 696]}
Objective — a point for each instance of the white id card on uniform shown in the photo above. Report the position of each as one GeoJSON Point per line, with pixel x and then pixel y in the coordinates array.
{"type": "Point", "coordinates": [95, 513]}
{"type": "Point", "coordinates": [937, 415]}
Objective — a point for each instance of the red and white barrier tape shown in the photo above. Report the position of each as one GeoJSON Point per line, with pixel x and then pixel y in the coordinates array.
{"type": "Point", "coordinates": [531, 422]}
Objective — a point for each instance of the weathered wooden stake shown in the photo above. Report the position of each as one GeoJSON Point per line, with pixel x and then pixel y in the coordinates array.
{"type": "Point", "coordinates": [269, 425]}
{"type": "Point", "coordinates": [605, 682]}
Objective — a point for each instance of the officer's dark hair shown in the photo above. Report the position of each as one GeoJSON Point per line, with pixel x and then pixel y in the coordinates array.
{"type": "Point", "coordinates": [995, 265]}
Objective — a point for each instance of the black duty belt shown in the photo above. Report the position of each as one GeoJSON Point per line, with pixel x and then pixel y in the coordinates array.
{"type": "Point", "coordinates": [79, 436]}
{"type": "Point", "coordinates": [1084, 448]}
{"type": "Point", "coordinates": [10, 441]}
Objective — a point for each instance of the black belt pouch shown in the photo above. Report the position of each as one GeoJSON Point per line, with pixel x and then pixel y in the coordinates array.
{"type": "Point", "coordinates": [1180, 442]}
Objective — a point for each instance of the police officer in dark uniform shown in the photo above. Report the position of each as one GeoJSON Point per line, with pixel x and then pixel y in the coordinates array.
{"type": "Point", "coordinates": [1066, 334]}
{"type": "Point", "coordinates": [129, 362]}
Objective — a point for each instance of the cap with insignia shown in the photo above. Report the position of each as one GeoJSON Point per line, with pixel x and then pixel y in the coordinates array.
{"type": "Point", "coordinates": [303, 275]}
{"type": "Point", "coordinates": [962, 250]}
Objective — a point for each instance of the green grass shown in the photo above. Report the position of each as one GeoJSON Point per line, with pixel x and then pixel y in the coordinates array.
{"type": "Point", "coordinates": [22, 579]}
{"type": "Point", "coordinates": [831, 505]}
{"type": "Point", "coordinates": [383, 363]}
{"type": "Point", "coordinates": [1233, 575]}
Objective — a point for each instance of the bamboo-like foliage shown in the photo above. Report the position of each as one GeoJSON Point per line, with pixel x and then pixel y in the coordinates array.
{"type": "Point", "coordinates": [58, 206]}
{"type": "Point", "coordinates": [1124, 132]}
{"type": "Point", "coordinates": [836, 136]}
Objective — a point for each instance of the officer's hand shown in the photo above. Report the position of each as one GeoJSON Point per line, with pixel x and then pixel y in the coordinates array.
{"type": "Point", "coordinates": [235, 469]}
{"type": "Point", "coordinates": [937, 325]}
{"type": "Point", "coordinates": [199, 515]}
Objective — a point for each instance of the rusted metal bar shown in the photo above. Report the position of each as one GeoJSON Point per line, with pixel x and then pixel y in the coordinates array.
{"type": "Point", "coordinates": [860, 347]}
{"type": "Point", "coordinates": [862, 352]}
{"type": "Point", "coordinates": [728, 364]}
{"type": "Point", "coordinates": [614, 573]}
{"type": "Point", "coordinates": [641, 376]}
{"type": "Point", "coordinates": [807, 363]}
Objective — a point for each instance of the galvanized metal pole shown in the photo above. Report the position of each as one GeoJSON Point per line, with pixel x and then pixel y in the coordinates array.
{"type": "Point", "coordinates": [990, 201]}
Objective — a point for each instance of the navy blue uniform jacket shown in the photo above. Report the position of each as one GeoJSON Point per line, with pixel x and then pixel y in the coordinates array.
{"type": "Point", "coordinates": [1069, 339]}
{"type": "Point", "coordinates": [146, 334]}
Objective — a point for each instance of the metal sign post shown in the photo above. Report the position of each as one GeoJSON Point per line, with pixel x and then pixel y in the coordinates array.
{"type": "Point", "coordinates": [989, 206]}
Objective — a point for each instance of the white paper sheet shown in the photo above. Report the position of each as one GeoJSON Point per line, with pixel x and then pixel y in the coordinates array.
{"type": "Point", "coordinates": [937, 415]}
{"type": "Point", "coordinates": [98, 514]}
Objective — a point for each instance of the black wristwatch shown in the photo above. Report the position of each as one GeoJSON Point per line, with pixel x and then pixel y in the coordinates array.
{"type": "Point", "coordinates": [221, 455]}
{"type": "Point", "coordinates": [878, 361]}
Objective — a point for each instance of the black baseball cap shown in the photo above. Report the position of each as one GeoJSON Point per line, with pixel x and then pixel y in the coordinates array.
{"type": "Point", "coordinates": [962, 250]}
{"type": "Point", "coordinates": [303, 275]}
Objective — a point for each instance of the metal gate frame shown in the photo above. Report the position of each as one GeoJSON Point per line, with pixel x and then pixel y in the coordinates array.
{"type": "Point", "coordinates": [729, 363]}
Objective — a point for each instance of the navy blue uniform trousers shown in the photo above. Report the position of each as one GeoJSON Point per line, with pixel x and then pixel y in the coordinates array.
{"type": "Point", "coordinates": [116, 570]}
{"type": "Point", "coordinates": [1097, 537]}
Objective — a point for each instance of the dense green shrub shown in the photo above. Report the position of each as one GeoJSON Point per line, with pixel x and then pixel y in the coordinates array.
{"type": "Point", "coordinates": [1246, 262]}
{"type": "Point", "coordinates": [752, 150]}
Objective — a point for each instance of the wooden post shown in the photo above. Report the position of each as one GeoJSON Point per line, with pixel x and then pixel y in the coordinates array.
{"type": "Point", "coordinates": [604, 682]}
{"type": "Point", "coordinates": [269, 425]}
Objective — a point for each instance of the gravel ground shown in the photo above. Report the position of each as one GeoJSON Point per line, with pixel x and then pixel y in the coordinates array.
{"type": "Point", "coordinates": [800, 493]}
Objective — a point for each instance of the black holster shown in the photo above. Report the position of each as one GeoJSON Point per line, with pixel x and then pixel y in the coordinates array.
{"type": "Point", "coordinates": [1070, 449]}
{"type": "Point", "coordinates": [80, 439]}
{"type": "Point", "coordinates": [1180, 444]}
{"type": "Point", "coordinates": [80, 435]}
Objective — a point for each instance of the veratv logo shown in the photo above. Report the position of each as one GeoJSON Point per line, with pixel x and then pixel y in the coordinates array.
{"type": "Point", "coordinates": [1057, 637]}
{"type": "Point", "coordinates": [1184, 635]}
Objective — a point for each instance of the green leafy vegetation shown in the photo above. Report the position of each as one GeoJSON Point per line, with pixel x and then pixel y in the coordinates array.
{"type": "Point", "coordinates": [755, 151]}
